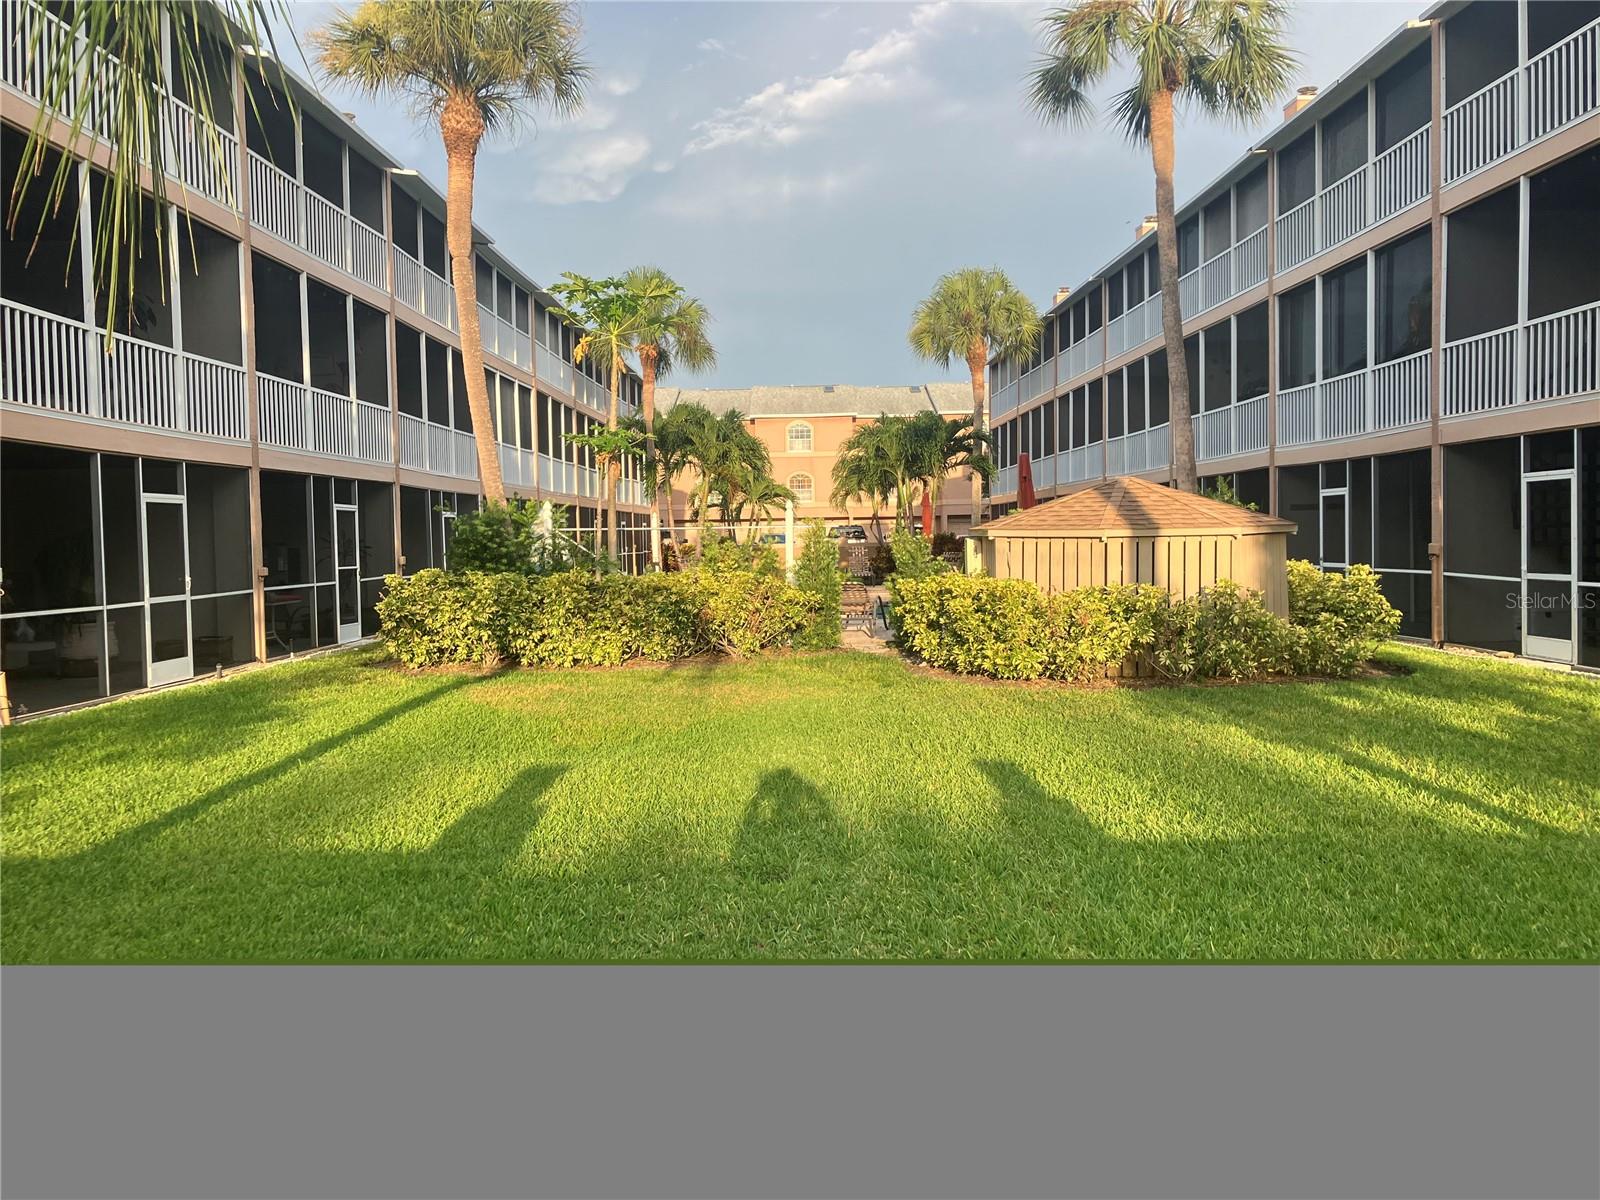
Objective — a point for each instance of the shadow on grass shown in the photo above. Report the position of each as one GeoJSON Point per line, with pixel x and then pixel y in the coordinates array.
{"type": "Point", "coordinates": [1189, 823]}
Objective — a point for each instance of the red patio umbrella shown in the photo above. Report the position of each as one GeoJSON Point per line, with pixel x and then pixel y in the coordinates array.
{"type": "Point", "coordinates": [927, 514]}
{"type": "Point", "coordinates": [1025, 495]}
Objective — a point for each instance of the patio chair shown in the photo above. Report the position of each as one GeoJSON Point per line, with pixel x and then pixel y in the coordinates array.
{"type": "Point", "coordinates": [855, 605]}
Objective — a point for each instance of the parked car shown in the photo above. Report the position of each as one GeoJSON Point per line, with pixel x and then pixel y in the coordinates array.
{"type": "Point", "coordinates": [773, 539]}
{"type": "Point", "coordinates": [848, 533]}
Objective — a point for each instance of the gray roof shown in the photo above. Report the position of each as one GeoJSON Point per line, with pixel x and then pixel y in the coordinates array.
{"type": "Point", "coordinates": [824, 400]}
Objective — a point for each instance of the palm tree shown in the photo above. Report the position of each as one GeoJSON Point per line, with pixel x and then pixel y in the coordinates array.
{"type": "Point", "coordinates": [1225, 57]}
{"type": "Point", "coordinates": [719, 448]}
{"type": "Point", "coordinates": [672, 450]}
{"type": "Point", "coordinates": [610, 315]}
{"type": "Point", "coordinates": [476, 67]}
{"type": "Point", "coordinates": [128, 112]}
{"type": "Point", "coordinates": [747, 488]}
{"type": "Point", "coordinates": [938, 446]}
{"type": "Point", "coordinates": [671, 334]}
{"type": "Point", "coordinates": [973, 315]}
{"type": "Point", "coordinates": [876, 461]}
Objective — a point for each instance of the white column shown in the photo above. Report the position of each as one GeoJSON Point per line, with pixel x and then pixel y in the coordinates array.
{"type": "Point", "coordinates": [95, 353]}
{"type": "Point", "coordinates": [788, 538]}
{"type": "Point", "coordinates": [180, 380]}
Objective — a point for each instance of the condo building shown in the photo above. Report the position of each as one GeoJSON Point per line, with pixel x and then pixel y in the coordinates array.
{"type": "Point", "coordinates": [805, 427]}
{"type": "Point", "coordinates": [1391, 309]}
{"type": "Point", "coordinates": [281, 418]}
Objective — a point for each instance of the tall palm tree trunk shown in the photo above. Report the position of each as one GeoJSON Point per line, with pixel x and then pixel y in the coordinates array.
{"type": "Point", "coordinates": [977, 366]}
{"type": "Point", "coordinates": [613, 463]}
{"type": "Point", "coordinates": [1161, 154]}
{"type": "Point", "coordinates": [461, 128]}
{"type": "Point", "coordinates": [647, 376]}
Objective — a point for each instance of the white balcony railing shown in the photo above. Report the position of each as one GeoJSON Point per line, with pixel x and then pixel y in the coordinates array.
{"type": "Point", "coordinates": [1235, 429]}
{"type": "Point", "coordinates": [274, 200]}
{"type": "Point", "coordinates": [423, 290]}
{"type": "Point", "coordinates": [1081, 356]}
{"type": "Point", "coordinates": [1564, 82]}
{"type": "Point", "coordinates": [1133, 453]}
{"type": "Point", "coordinates": [1563, 354]}
{"type": "Point", "coordinates": [1343, 209]}
{"type": "Point", "coordinates": [1297, 235]}
{"type": "Point", "coordinates": [552, 370]}
{"type": "Point", "coordinates": [368, 254]}
{"type": "Point", "coordinates": [1400, 176]}
{"type": "Point", "coordinates": [61, 365]}
{"type": "Point", "coordinates": [316, 421]}
{"type": "Point", "coordinates": [503, 339]}
{"type": "Point", "coordinates": [1188, 295]}
{"type": "Point", "coordinates": [1004, 483]}
{"type": "Point", "coordinates": [1250, 261]}
{"type": "Point", "coordinates": [201, 160]}
{"type": "Point", "coordinates": [1559, 86]}
{"type": "Point", "coordinates": [1550, 358]}
{"type": "Point", "coordinates": [293, 213]}
{"type": "Point", "coordinates": [594, 394]}
{"type": "Point", "coordinates": [1391, 395]}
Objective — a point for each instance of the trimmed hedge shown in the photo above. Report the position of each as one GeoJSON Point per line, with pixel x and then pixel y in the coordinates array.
{"type": "Point", "coordinates": [1009, 629]}
{"type": "Point", "coordinates": [435, 618]}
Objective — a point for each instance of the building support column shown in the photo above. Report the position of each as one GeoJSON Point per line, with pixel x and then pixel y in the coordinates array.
{"type": "Point", "coordinates": [247, 311]}
{"type": "Point", "coordinates": [1436, 357]}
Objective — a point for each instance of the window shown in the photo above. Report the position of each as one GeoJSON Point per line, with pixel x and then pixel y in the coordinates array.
{"type": "Point", "coordinates": [1252, 213]}
{"type": "Point", "coordinates": [1344, 320]}
{"type": "Point", "coordinates": [1218, 366]}
{"type": "Point", "coordinates": [1404, 296]}
{"type": "Point", "coordinates": [1159, 389]}
{"type": "Point", "coordinates": [1218, 220]}
{"type": "Point", "coordinates": [799, 438]}
{"type": "Point", "coordinates": [1563, 235]}
{"type": "Point", "coordinates": [1481, 246]}
{"type": "Point", "coordinates": [1404, 104]}
{"type": "Point", "coordinates": [1297, 337]}
{"type": "Point", "coordinates": [1297, 173]}
{"type": "Point", "coordinates": [1188, 245]}
{"type": "Point", "coordinates": [803, 488]}
{"type": "Point", "coordinates": [1250, 338]}
{"type": "Point", "coordinates": [1344, 140]}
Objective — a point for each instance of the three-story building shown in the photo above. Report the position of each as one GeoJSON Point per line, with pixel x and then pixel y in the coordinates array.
{"type": "Point", "coordinates": [1391, 313]}
{"type": "Point", "coordinates": [281, 418]}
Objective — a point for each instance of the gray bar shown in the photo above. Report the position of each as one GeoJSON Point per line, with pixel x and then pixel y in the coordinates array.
{"type": "Point", "coordinates": [766, 1081]}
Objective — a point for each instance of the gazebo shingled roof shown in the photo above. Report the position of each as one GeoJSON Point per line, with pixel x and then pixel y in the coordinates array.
{"type": "Point", "coordinates": [1129, 505]}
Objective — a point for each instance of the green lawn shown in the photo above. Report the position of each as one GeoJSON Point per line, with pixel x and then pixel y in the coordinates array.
{"type": "Point", "coordinates": [822, 806]}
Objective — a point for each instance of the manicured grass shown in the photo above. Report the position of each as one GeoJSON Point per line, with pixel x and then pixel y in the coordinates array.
{"type": "Point", "coordinates": [822, 806]}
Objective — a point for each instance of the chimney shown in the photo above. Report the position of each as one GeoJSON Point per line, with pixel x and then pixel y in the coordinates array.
{"type": "Point", "coordinates": [1146, 226]}
{"type": "Point", "coordinates": [1061, 294]}
{"type": "Point", "coordinates": [1301, 98]}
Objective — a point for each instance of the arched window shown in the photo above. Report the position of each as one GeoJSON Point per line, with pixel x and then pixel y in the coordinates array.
{"type": "Point", "coordinates": [800, 483]}
{"type": "Point", "coordinates": [799, 437]}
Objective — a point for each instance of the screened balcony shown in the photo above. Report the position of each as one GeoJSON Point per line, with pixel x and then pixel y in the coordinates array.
{"type": "Point", "coordinates": [321, 368]}
{"type": "Point", "coordinates": [1508, 82]}
{"type": "Point", "coordinates": [421, 262]}
{"type": "Point", "coordinates": [1081, 346]}
{"type": "Point", "coordinates": [176, 362]}
{"type": "Point", "coordinates": [202, 161]}
{"type": "Point", "coordinates": [1133, 314]}
{"type": "Point", "coordinates": [309, 189]}
{"type": "Point", "coordinates": [1507, 345]}
{"type": "Point", "coordinates": [1366, 161]}
{"type": "Point", "coordinates": [1222, 249]}
{"type": "Point", "coordinates": [435, 431]}
{"type": "Point", "coordinates": [503, 316]}
{"type": "Point", "coordinates": [1347, 368]}
{"type": "Point", "coordinates": [1228, 379]}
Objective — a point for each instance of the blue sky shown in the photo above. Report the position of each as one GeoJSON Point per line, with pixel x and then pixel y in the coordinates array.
{"type": "Point", "coordinates": [810, 169]}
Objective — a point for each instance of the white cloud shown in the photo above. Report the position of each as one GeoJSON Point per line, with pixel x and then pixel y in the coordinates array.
{"type": "Point", "coordinates": [592, 171]}
{"type": "Point", "coordinates": [619, 85]}
{"type": "Point", "coordinates": [785, 111]}
{"type": "Point", "coordinates": [748, 196]}
{"type": "Point", "coordinates": [712, 46]}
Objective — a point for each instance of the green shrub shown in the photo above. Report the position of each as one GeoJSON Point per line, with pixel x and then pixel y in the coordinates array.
{"type": "Point", "coordinates": [522, 536]}
{"type": "Point", "coordinates": [880, 561]}
{"type": "Point", "coordinates": [1009, 629]}
{"type": "Point", "coordinates": [1339, 618]}
{"type": "Point", "coordinates": [913, 556]}
{"type": "Point", "coordinates": [576, 618]}
{"type": "Point", "coordinates": [718, 553]}
{"type": "Point", "coordinates": [1224, 633]}
{"type": "Point", "coordinates": [744, 613]}
{"type": "Point", "coordinates": [817, 573]}
{"type": "Point", "coordinates": [436, 617]}
{"type": "Point", "coordinates": [975, 626]}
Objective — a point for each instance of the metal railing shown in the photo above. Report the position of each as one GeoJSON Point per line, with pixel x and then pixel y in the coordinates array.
{"type": "Point", "coordinates": [1555, 88]}
{"type": "Point", "coordinates": [503, 339]}
{"type": "Point", "coordinates": [1250, 261]}
{"type": "Point", "coordinates": [424, 290]}
{"type": "Point", "coordinates": [1400, 176]}
{"type": "Point", "coordinates": [1297, 235]}
{"type": "Point", "coordinates": [1343, 209]}
{"type": "Point", "coordinates": [1391, 395]}
{"type": "Point", "coordinates": [1549, 358]}
{"type": "Point", "coordinates": [1133, 453]}
{"type": "Point", "coordinates": [1081, 356]}
{"type": "Point", "coordinates": [61, 365]}
{"type": "Point", "coordinates": [1234, 429]}
{"type": "Point", "coordinates": [552, 370]}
